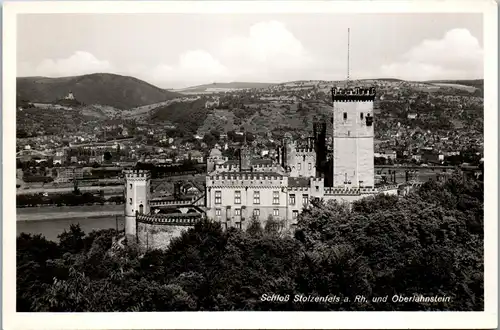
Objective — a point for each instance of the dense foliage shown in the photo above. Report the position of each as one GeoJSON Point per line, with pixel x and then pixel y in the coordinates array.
{"type": "Point", "coordinates": [429, 242]}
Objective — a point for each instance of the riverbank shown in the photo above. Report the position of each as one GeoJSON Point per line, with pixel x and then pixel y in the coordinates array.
{"type": "Point", "coordinates": [44, 213]}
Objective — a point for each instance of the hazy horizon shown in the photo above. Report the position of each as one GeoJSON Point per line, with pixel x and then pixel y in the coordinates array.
{"type": "Point", "coordinates": [248, 82]}
{"type": "Point", "coordinates": [175, 51]}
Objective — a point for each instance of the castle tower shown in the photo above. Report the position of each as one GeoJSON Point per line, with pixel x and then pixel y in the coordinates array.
{"type": "Point", "coordinates": [353, 135]}
{"type": "Point", "coordinates": [245, 158]}
{"type": "Point", "coordinates": [137, 195]}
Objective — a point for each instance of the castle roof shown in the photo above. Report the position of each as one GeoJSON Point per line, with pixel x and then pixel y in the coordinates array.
{"type": "Point", "coordinates": [215, 153]}
{"type": "Point", "coordinates": [298, 182]}
{"type": "Point", "coordinates": [262, 161]}
{"type": "Point", "coordinates": [252, 162]}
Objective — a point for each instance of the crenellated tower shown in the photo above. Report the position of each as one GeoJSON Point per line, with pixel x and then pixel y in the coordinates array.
{"type": "Point", "coordinates": [353, 133]}
{"type": "Point", "coordinates": [137, 196]}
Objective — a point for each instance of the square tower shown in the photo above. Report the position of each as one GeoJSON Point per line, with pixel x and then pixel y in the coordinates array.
{"type": "Point", "coordinates": [137, 196]}
{"type": "Point", "coordinates": [353, 133]}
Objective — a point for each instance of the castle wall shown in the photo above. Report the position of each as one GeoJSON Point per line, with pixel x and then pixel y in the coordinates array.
{"type": "Point", "coordinates": [231, 213]}
{"type": "Point", "coordinates": [305, 163]}
{"type": "Point", "coordinates": [158, 236]}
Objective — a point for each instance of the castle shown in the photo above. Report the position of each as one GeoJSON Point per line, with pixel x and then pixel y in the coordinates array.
{"type": "Point", "coordinates": [245, 189]}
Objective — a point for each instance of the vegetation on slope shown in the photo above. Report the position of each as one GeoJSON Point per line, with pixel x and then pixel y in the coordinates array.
{"type": "Point", "coordinates": [428, 243]}
{"type": "Point", "coordinates": [187, 116]}
{"type": "Point", "coordinates": [231, 85]}
{"type": "Point", "coordinates": [121, 92]}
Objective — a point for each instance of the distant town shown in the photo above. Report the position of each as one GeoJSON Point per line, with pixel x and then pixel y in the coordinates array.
{"type": "Point", "coordinates": [417, 123]}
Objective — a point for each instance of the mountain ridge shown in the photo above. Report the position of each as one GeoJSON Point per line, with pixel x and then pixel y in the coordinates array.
{"type": "Point", "coordinates": [119, 91]}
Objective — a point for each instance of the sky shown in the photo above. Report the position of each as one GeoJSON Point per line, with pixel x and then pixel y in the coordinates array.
{"type": "Point", "coordinates": [181, 50]}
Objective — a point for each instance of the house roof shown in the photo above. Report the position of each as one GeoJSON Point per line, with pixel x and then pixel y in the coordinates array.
{"type": "Point", "coordinates": [298, 182]}
{"type": "Point", "coordinates": [215, 153]}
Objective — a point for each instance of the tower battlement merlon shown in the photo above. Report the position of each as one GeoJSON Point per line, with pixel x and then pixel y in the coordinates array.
{"type": "Point", "coordinates": [137, 174]}
{"type": "Point", "coordinates": [304, 150]}
{"type": "Point", "coordinates": [353, 94]}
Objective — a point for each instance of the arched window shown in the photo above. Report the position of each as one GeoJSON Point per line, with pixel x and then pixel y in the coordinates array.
{"type": "Point", "coordinates": [141, 209]}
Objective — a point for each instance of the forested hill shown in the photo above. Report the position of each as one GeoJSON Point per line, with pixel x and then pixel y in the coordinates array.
{"type": "Point", "coordinates": [121, 92]}
{"type": "Point", "coordinates": [429, 243]}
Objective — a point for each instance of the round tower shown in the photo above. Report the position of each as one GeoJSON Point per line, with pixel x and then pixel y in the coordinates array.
{"type": "Point", "coordinates": [137, 195]}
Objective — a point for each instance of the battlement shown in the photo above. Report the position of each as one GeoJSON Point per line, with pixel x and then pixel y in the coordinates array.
{"type": "Point", "coordinates": [137, 174]}
{"type": "Point", "coordinates": [338, 191]}
{"type": "Point", "coordinates": [353, 94]}
{"type": "Point", "coordinates": [169, 203]}
{"type": "Point", "coordinates": [170, 219]}
{"type": "Point", "coordinates": [388, 187]}
{"type": "Point", "coordinates": [304, 150]}
{"type": "Point", "coordinates": [303, 189]}
{"type": "Point", "coordinates": [227, 168]}
{"type": "Point", "coordinates": [246, 176]}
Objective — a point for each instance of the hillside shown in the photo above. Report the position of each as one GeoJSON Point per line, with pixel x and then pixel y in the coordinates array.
{"type": "Point", "coordinates": [121, 92]}
{"type": "Point", "coordinates": [185, 115]}
{"type": "Point", "coordinates": [472, 84]}
{"type": "Point", "coordinates": [221, 87]}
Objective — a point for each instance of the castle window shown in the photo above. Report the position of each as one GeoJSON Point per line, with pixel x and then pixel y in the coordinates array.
{"type": "Point", "coordinates": [369, 120]}
{"type": "Point", "coordinates": [237, 212]}
{"type": "Point", "coordinates": [309, 166]}
{"type": "Point", "coordinates": [361, 116]}
{"type": "Point", "coordinates": [237, 197]}
{"type": "Point", "coordinates": [256, 212]}
{"type": "Point", "coordinates": [300, 166]}
{"type": "Point", "coordinates": [130, 201]}
{"type": "Point", "coordinates": [276, 212]}
{"type": "Point", "coordinates": [256, 197]}
{"type": "Point", "coordinates": [217, 212]}
{"type": "Point", "coordinates": [292, 199]}
{"type": "Point", "coordinates": [345, 115]}
{"type": "Point", "coordinates": [130, 186]}
{"type": "Point", "coordinates": [141, 209]}
{"type": "Point", "coordinates": [305, 200]}
{"type": "Point", "coordinates": [276, 197]}
{"type": "Point", "coordinates": [317, 188]}
{"type": "Point", "coordinates": [218, 197]}
{"type": "Point", "coordinates": [295, 214]}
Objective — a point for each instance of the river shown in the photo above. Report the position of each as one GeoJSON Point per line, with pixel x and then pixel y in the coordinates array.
{"type": "Point", "coordinates": [52, 221]}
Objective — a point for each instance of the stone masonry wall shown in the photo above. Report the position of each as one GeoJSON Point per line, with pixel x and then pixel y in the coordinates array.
{"type": "Point", "coordinates": [158, 236]}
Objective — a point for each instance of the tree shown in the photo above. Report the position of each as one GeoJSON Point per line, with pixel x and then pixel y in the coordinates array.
{"type": "Point", "coordinates": [72, 240]}
{"type": "Point", "coordinates": [429, 242]}
{"type": "Point", "coordinates": [107, 156]}
{"type": "Point", "coordinates": [254, 227]}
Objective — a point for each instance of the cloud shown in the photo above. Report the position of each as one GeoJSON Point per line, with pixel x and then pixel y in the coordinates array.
{"type": "Point", "coordinates": [458, 55]}
{"type": "Point", "coordinates": [81, 62]}
{"type": "Point", "coordinates": [194, 66]}
{"type": "Point", "coordinates": [268, 52]}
